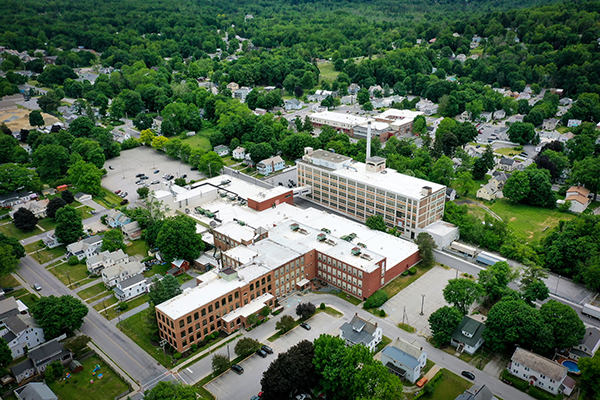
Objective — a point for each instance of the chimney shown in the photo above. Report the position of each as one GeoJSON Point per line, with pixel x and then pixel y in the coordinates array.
{"type": "Point", "coordinates": [426, 191]}
{"type": "Point", "coordinates": [368, 140]}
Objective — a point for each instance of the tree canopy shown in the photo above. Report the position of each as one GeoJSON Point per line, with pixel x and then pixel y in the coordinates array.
{"type": "Point", "coordinates": [58, 315]}
{"type": "Point", "coordinates": [178, 239]}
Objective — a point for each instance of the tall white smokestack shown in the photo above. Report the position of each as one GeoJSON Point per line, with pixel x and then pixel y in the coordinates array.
{"type": "Point", "coordinates": [368, 140]}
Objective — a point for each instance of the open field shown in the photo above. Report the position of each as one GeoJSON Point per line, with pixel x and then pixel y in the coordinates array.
{"type": "Point", "coordinates": [9, 230]}
{"type": "Point", "coordinates": [18, 118]}
{"type": "Point", "coordinates": [200, 140]}
{"type": "Point", "coordinates": [327, 72]}
{"type": "Point", "coordinates": [75, 272]}
{"type": "Point", "coordinates": [137, 247]}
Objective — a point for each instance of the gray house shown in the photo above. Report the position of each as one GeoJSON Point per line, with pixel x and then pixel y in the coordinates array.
{"type": "Point", "coordinates": [468, 336]}
{"type": "Point", "coordinates": [39, 358]}
{"type": "Point", "coordinates": [35, 391]}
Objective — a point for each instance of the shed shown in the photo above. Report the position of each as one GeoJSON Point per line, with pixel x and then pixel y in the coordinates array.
{"type": "Point", "coordinates": [75, 366]}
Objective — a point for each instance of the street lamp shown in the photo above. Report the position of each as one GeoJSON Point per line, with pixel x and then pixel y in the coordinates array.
{"type": "Point", "coordinates": [422, 303]}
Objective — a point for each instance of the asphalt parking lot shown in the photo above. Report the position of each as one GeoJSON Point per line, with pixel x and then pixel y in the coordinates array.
{"type": "Point", "coordinates": [143, 160]}
{"type": "Point", "coordinates": [231, 386]}
{"type": "Point", "coordinates": [283, 177]}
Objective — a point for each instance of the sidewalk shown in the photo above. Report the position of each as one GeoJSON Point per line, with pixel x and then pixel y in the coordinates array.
{"type": "Point", "coordinates": [129, 313]}
{"type": "Point", "coordinates": [87, 285]}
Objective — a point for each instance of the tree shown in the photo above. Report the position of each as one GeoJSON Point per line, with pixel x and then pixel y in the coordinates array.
{"type": "Point", "coordinates": [49, 102]}
{"type": "Point", "coordinates": [590, 376]}
{"type": "Point", "coordinates": [51, 161]}
{"type": "Point", "coordinates": [442, 170]}
{"type": "Point", "coordinates": [363, 96]}
{"type": "Point", "coordinates": [78, 344]}
{"type": "Point", "coordinates": [308, 80]}
{"type": "Point", "coordinates": [113, 240]}
{"type": "Point", "coordinates": [164, 289]}
{"type": "Point", "coordinates": [68, 225]}
{"type": "Point", "coordinates": [144, 191]}
{"type": "Point", "coordinates": [67, 196]}
{"type": "Point", "coordinates": [17, 248]}
{"type": "Point", "coordinates": [495, 279]}
{"type": "Point", "coordinates": [86, 176]}
{"type": "Point", "coordinates": [54, 205]}
{"type": "Point", "coordinates": [566, 327]}
{"type": "Point", "coordinates": [171, 391]}
{"type": "Point", "coordinates": [443, 322]}
{"type": "Point", "coordinates": [210, 164]}
{"type": "Point", "coordinates": [5, 354]}
{"type": "Point", "coordinates": [368, 106]}
{"type": "Point", "coordinates": [159, 142]}
{"type": "Point", "coordinates": [465, 183]}
{"type": "Point", "coordinates": [178, 239]}
{"type": "Point", "coordinates": [24, 220]}
{"type": "Point", "coordinates": [426, 245]}
{"type": "Point", "coordinates": [220, 363]}
{"type": "Point", "coordinates": [147, 136]}
{"type": "Point", "coordinates": [587, 173]}
{"type": "Point", "coordinates": [516, 188]}
{"type": "Point", "coordinates": [376, 222]}
{"type": "Point", "coordinates": [305, 310]}
{"type": "Point", "coordinates": [36, 119]}
{"type": "Point", "coordinates": [8, 260]}
{"type": "Point", "coordinates": [462, 293]}
{"type": "Point", "coordinates": [521, 132]}
{"type": "Point", "coordinates": [54, 371]}
{"type": "Point", "coordinates": [246, 346]}
{"type": "Point", "coordinates": [15, 176]}
{"type": "Point", "coordinates": [58, 315]}
{"type": "Point", "coordinates": [285, 324]}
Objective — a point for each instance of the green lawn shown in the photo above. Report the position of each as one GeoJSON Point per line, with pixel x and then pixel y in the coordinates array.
{"type": "Point", "coordinates": [530, 222]}
{"type": "Point", "coordinates": [406, 327]}
{"type": "Point", "coordinates": [327, 72]}
{"type": "Point", "coordinates": [85, 212]}
{"type": "Point", "coordinates": [136, 327]}
{"type": "Point", "coordinates": [384, 342]}
{"type": "Point", "coordinates": [45, 255]}
{"type": "Point", "coordinates": [107, 303]}
{"type": "Point", "coordinates": [107, 198]}
{"type": "Point", "coordinates": [76, 272]}
{"type": "Point", "coordinates": [200, 140]}
{"type": "Point", "coordinates": [157, 269]}
{"type": "Point", "coordinates": [17, 293]}
{"type": "Point", "coordinates": [92, 291]}
{"type": "Point", "coordinates": [351, 299]}
{"type": "Point", "coordinates": [137, 247]}
{"type": "Point", "coordinates": [80, 385]}
{"type": "Point", "coordinates": [10, 230]}
{"type": "Point", "coordinates": [184, 278]}
{"type": "Point", "coordinates": [29, 299]}
{"type": "Point", "coordinates": [8, 281]}
{"type": "Point", "coordinates": [331, 311]}
{"type": "Point", "coordinates": [400, 282]}
{"type": "Point", "coordinates": [507, 151]}
{"type": "Point", "coordinates": [47, 223]}
{"type": "Point", "coordinates": [138, 301]}
{"type": "Point", "coordinates": [449, 387]}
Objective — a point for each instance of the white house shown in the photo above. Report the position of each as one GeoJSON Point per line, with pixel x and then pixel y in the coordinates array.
{"type": "Point", "coordinates": [131, 287]}
{"type": "Point", "coordinates": [83, 197]}
{"type": "Point", "coordinates": [221, 150]}
{"type": "Point", "coordinates": [405, 360]}
{"type": "Point", "coordinates": [294, 104]}
{"type": "Point", "coordinates": [578, 196]}
{"type": "Point", "coordinates": [51, 240]}
{"type": "Point", "coordinates": [132, 230]}
{"type": "Point", "coordinates": [588, 346]}
{"type": "Point", "coordinates": [117, 273]}
{"type": "Point", "coordinates": [270, 165]}
{"type": "Point", "coordinates": [85, 248]}
{"type": "Point", "coordinates": [489, 192]}
{"type": "Point", "coordinates": [35, 391]}
{"type": "Point", "coordinates": [573, 123]}
{"type": "Point", "coordinates": [468, 336]}
{"type": "Point", "coordinates": [550, 124]}
{"type": "Point", "coordinates": [239, 153]}
{"type": "Point", "coordinates": [499, 114]}
{"type": "Point", "coordinates": [539, 371]}
{"type": "Point", "coordinates": [20, 332]}
{"type": "Point", "coordinates": [106, 259]}
{"type": "Point", "coordinates": [360, 331]}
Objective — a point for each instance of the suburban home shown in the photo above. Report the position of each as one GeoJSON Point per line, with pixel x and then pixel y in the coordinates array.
{"type": "Point", "coordinates": [221, 150]}
{"type": "Point", "coordinates": [106, 259]}
{"type": "Point", "coordinates": [178, 267]}
{"type": "Point", "coordinates": [293, 104]}
{"type": "Point", "coordinates": [37, 207]}
{"type": "Point", "coordinates": [239, 153]}
{"type": "Point", "coordinates": [405, 360]}
{"type": "Point", "coordinates": [550, 124]}
{"type": "Point", "coordinates": [499, 114]}
{"type": "Point", "coordinates": [132, 230]}
{"type": "Point", "coordinates": [270, 165]}
{"type": "Point", "coordinates": [319, 95]}
{"type": "Point", "coordinates": [35, 391]}
{"type": "Point", "coordinates": [427, 107]}
{"type": "Point", "coordinates": [588, 346]}
{"type": "Point", "coordinates": [131, 287]}
{"type": "Point", "coordinates": [83, 197]}
{"type": "Point", "coordinates": [111, 276]}
{"type": "Point", "coordinates": [539, 371]}
{"type": "Point", "coordinates": [353, 88]}
{"type": "Point", "coordinates": [506, 164]}
{"type": "Point", "coordinates": [116, 219]}
{"type": "Point", "coordinates": [490, 191]}
{"type": "Point", "coordinates": [485, 116]}
{"type": "Point", "coordinates": [483, 393]}
{"type": "Point", "coordinates": [85, 248]}
{"type": "Point", "coordinates": [360, 331]}
{"type": "Point", "coordinates": [578, 196]}
{"type": "Point", "coordinates": [241, 93]}
{"type": "Point", "coordinates": [450, 194]}
{"type": "Point", "coordinates": [51, 241]}
{"type": "Point", "coordinates": [467, 337]}
{"type": "Point", "coordinates": [20, 332]}
{"type": "Point", "coordinates": [233, 86]}
{"type": "Point", "coordinates": [565, 101]}
{"type": "Point", "coordinates": [573, 123]}
{"type": "Point", "coordinates": [499, 178]}
{"type": "Point", "coordinates": [9, 307]}
{"type": "Point", "coordinates": [39, 358]}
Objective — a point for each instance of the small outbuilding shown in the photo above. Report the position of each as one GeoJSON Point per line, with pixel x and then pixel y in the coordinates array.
{"type": "Point", "coordinates": [75, 366]}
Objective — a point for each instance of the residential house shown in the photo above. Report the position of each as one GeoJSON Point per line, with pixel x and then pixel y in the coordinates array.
{"type": "Point", "coordinates": [8, 308]}
{"type": "Point", "coordinates": [132, 230]}
{"type": "Point", "coordinates": [464, 116]}
{"type": "Point", "coordinates": [319, 95]}
{"type": "Point", "coordinates": [499, 178]}
{"type": "Point", "coordinates": [490, 191]}
{"type": "Point", "coordinates": [514, 118]}
{"type": "Point", "coordinates": [116, 219]}
{"type": "Point", "coordinates": [85, 248]}
{"type": "Point", "coordinates": [539, 371]}
{"type": "Point", "coordinates": [565, 101]}
{"type": "Point", "coordinates": [578, 196]}
{"type": "Point", "coordinates": [405, 360]}
{"type": "Point", "coordinates": [550, 124]}
{"type": "Point", "coordinates": [468, 336]}
{"type": "Point", "coordinates": [35, 391]}
{"type": "Point", "coordinates": [353, 88]}
{"type": "Point", "coordinates": [221, 150]}
{"type": "Point", "coordinates": [39, 358]}
{"type": "Point", "coordinates": [157, 122]}
{"type": "Point", "coordinates": [350, 99]}
{"type": "Point", "coordinates": [106, 259]}
{"type": "Point", "coordinates": [483, 393]}
{"type": "Point", "coordinates": [573, 123]}
{"type": "Point", "coordinates": [178, 267]}
{"type": "Point", "coordinates": [375, 88]}
{"type": "Point", "coordinates": [360, 331]}
{"type": "Point", "coordinates": [20, 332]}
{"type": "Point", "coordinates": [241, 93]}
{"type": "Point", "coordinates": [485, 116]}
{"type": "Point", "coordinates": [506, 164]}
{"type": "Point", "coordinates": [450, 194]}
{"type": "Point", "coordinates": [239, 153]}
{"type": "Point", "coordinates": [461, 57]}
{"type": "Point", "coordinates": [51, 241]}
{"type": "Point", "coordinates": [587, 346]}
{"type": "Point", "coordinates": [37, 207]}
{"type": "Point", "coordinates": [111, 276]}
{"type": "Point", "coordinates": [499, 114]}
{"type": "Point", "coordinates": [81, 197]}
{"type": "Point", "coordinates": [427, 107]}
{"type": "Point", "coordinates": [131, 287]}
{"type": "Point", "coordinates": [233, 86]}
{"type": "Point", "coordinates": [293, 104]}
{"type": "Point", "coordinates": [270, 165]}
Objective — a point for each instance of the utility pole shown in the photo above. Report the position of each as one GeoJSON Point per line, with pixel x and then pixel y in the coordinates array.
{"type": "Point", "coordinates": [69, 278]}
{"type": "Point", "coordinates": [558, 280]}
{"type": "Point", "coordinates": [422, 303]}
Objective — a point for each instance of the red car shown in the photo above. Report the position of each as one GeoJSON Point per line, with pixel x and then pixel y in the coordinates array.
{"type": "Point", "coordinates": [117, 191]}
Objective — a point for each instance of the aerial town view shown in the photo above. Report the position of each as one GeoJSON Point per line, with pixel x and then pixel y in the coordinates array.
{"type": "Point", "coordinates": [300, 199]}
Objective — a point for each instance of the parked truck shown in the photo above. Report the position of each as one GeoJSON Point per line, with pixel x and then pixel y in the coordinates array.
{"type": "Point", "coordinates": [591, 311]}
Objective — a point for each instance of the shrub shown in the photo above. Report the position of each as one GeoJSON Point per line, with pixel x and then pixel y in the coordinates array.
{"type": "Point", "coordinates": [382, 313]}
{"type": "Point", "coordinates": [73, 260]}
{"type": "Point", "coordinates": [123, 306]}
{"type": "Point", "coordinates": [177, 355]}
{"type": "Point", "coordinates": [404, 273]}
{"type": "Point", "coordinates": [540, 394]}
{"type": "Point", "coordinates": [518, 383]}
{"type": "Point", "coordinates": [412, 270]}
{"type": "Point", "coordinates": [377, 299]}
{"type": "Point", "coordinates": [322, 306]}
{"type": "Point", "coordinates": [194, 347]}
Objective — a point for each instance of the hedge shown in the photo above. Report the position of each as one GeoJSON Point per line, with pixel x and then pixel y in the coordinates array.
{"type": "Point", "coordinates": [517, 382]}
{"type": "Point", "coordinates": [377, 299]}
{"type": "Point", "coordinates": [412, 270]}
{"type": "Point", "coordinates": [541, 395]}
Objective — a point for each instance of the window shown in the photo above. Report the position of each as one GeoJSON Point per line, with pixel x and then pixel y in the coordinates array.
{"type": "Point", "coordinates": [216, 304]}
{"type": "Point", "coordinates": [204, 322]}
{"type": "Point", "coordinates": [182, 334]}
{"type": "Point", "coordinates": [212, 318]}
{"type": "Point", "coordinates": [197, 325]}
{"type": "Point", "coordinates": [223, 302]}
{"type": "Point", "coordinates": [189, 319]}
{"type": "Point", "coordinates": [237, 295]}
{"type": "Point", "coordinates": [181, 323]}
{"type": "Point", "coordinates": [210, 309]}
{"type": "Point", "coordinates": [196, 316]}
{"type": "Point", "coordinates": [252, 286]}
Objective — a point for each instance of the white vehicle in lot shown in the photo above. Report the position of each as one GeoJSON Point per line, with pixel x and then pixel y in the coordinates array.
{"type": "Point", "coordinates": [591, 311]}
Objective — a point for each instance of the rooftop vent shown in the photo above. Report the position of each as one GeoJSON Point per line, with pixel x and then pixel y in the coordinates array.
{"type": "Point", "coordinates": [294, 226]}
{"type": "Point", "coordinates": [366, 256]}
{"type": "Point", "coordinates": [355, 251]}
{"type": "Point", "coordinates": [364, 246]}
{"type": "Point", "coordinates": [325, 230]}
{"type": "Point", "coordinates": [321, 237]}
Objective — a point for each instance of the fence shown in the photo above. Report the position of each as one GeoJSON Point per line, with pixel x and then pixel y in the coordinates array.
{"type": "Point", "coordinates": [247, 178]}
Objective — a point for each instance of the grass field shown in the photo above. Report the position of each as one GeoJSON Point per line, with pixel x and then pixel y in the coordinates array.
{"type": "Point", "coordinates": [92, 291]}
{"type": "Point", "coordinates": [449, 387]}
{"type": "Point", "coordinates": [507, 151]}
{"type": "Point", "coordinates": [10, 230]}
{"type": "Point", "coordinates": [45, 255]}
{"type": "Point", "coordinates": [136, 327]}
{"type": "Point", "coordinates": [76, 272]}
{"type": "Point", "coordinates": [47, 223]}
{"type": "Point", "coordinates": [401, 282]}
{"type": "Point", "coordinates": [80, 385]}
{"type": "Point", "coordinates": [327, 72]}
{"type": "Point", "coordinates": [107, 198]}
{"type": "Point", "coordinates": [157, 270]}
{"type": "Point", "coordinates": [137, 247]}
{"type": "Point", "coordinates": [384, 342]}
{"type": "Point", "coordinates": [107, 303]}
{"type": "Point", "coordinates": [8, 281]}
{"type": "Point", "coordinates": [200, 140]}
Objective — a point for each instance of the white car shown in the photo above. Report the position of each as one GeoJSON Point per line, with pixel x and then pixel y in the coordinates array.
{"type": "Point", "coordinates": [37, 287]}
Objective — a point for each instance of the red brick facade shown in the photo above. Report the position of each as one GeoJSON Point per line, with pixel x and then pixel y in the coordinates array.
{"type": "Point", "coordinates": [287, 197]}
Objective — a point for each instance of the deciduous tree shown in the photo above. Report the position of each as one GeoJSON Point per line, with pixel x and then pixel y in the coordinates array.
{"type": "Point", "coordinates": [5, 353]}
{"type": "Point", "coordinates": [54, 205]}
{"type": "Point", "coordinates": [376, 222]}
{"type": "Point", "coordinates": [35, 118]}
{"type": "Point", "coordinates": [305, 310]}
{"type": "Point", "coordinates": [426, 245]}
{"type": "Point", "coordinates": [285, 324]}
{"type": "Point", "coordinates": [495, 279]}
{"type": "Point", "coordinates": [443, 322]}
{"type": "Point", "coordinates": [462, 293]}
{"type": "Point", "coordinates": [164, 289]}
{"type": "Point", "coordinates": [246, 346]}
{"type": "Point", "coordinates": [58, 315]}
{"type": "Point", "coordinates": [68, 225]}
{"type": "Point", "coordinates": [24, 220]}
{"type": "Point", "coordinates": [178, 239]}
{"type": "Point", "coordinates": [566, 327]}
{"type": "Point", "coordinates": [220, 363]}
{"type": "Point", "coordinates": [171, 391]}
{"type": "Point", "coordinates": [113, 240]}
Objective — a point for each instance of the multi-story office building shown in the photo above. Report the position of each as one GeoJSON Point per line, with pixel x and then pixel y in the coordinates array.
{"type": "Point", "coordinates": [361, 190]}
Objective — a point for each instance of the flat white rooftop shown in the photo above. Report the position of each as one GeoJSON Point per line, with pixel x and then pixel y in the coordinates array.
{"type": "Point", "coordinates": [268, 194]}
{"type": "Point", "coordinates": [252, 308]}
{"type": "Point", "coordinates": [339, 118]}
{"type": "Point", "coordinates": [394, 113]}
{"type": "Point", "coordinates": [236, 231]}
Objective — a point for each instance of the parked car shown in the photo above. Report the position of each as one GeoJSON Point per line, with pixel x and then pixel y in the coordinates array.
{"type": "Point", "coordinates": [184, 176]}
{"type": "Point", "coordinates": [144, 177]}
{"type": "Point", "coordinates": [125, 201]}
{"type": "Point", "coordinates": [267, 349]}
{"type": "Point", "coordinates": [468, 374]}
{"type": "Point", "coordinates": [305, 326]}
{"type": "Point", "coordinates": [117, 191]}
{"type": "Point", "coordinates": [157, 171]}
{"type": "Point", "coordinates": [154, 182]}
{"type": "Point", "coordinates": [8, 289]}
{"type": "Point", "coordinates": [255, 398]}
{"type": "Point", "coordinates": [139, 175]}
{"type": "Point", "coordinates": [37, 287]}
{"type": "Point", "coordinates": [110, 167]}
{"type": "Point", "coordinates": [261, 353]}
{"type": "Point", "coordinates": [123, 194]}
{"type": "Point", "coordinates": [140, 182]}
{"type": "Point", "coordinates": [194, 169]}
{"type": "Point", "coordinates": [237, 369]}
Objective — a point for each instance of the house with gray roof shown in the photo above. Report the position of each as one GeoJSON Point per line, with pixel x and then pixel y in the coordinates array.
{"type": "Point", "coordinates": [116, 219]}
{"type": "Point", "coordinates": [21, 332]}
{"type": "Point", "coordinates": [39, 358]}
{"type": "Point", "coordinates": [293, 104]}
{"type": "Point", "coordinates": [539, 371]}
{"type": "Point", "coordinates": [119, 272]}
{"type": "Point", "coordinates": [132, 230]}
{"type": "Point", "coordinates": [106, 259]}
{"type": "Point", "coordinates": [405, 360]}
{"type": "Point", "coordinates": [506, 164]}
{"type": "Point", "coordinates": [483, 393]}
{"type": "Point", "coordinates": [468, 336]}
{"type": "Point", "coordinates": [221, 150]}
{"type": "Point", "coordinates": [85, 248]}
{"type": "Point", "coordinates": [360, 331]}
{"type": "Point", "coordinates": [8, 308]}
{"type": "Point", "coordinates": [35, 391]}
{"type": "Point", "coordinates": [588, 346]}
{"type": "Point", "coordinates": [131, 287]}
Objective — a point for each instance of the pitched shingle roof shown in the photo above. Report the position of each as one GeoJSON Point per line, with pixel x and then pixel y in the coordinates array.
{"type": "Point", "coordinates": [540, 364]}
